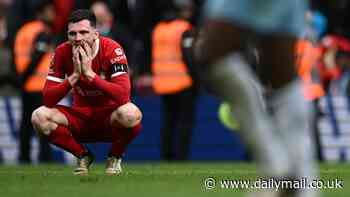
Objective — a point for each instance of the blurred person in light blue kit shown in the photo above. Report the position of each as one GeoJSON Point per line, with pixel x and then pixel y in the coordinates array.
{"type": "Point", "coordinates": [276, 128]}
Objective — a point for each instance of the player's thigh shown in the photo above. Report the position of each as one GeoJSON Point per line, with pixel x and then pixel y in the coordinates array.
{"type": "Point", "coordinates": [78, 118]}
{"type": "Point", "coordinates": [268, 16]}
{"type": "Point", "coordinates": [216, 39]}
{"type": "Point", "coordinates": [98, 127]}
{"type": "Point", "coordinates": [277, 61]}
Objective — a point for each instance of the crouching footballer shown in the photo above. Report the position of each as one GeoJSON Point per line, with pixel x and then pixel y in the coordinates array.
{"type": "Point", "coordinates": [96, 69]}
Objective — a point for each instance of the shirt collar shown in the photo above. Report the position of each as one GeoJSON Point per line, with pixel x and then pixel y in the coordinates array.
{"type": "Point", "coordinates": [97, 47]}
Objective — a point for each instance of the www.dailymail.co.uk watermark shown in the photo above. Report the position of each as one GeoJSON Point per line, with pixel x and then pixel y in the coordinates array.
{"type": "Point", "coordinates": [212, 183]}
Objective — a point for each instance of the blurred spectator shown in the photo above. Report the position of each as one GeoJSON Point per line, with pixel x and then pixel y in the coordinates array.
{"type": "Point", "coordinates": [144, 16]}
{"type": "Point", "coordinates": [104, 18]}
{"type": "Point", "coordinates": [3, 29]}
{"type": "Point", "coordinates": [172, 80]}
{"type": "Point", "coordinates": [110, 26]}
{"type": "Point", "coordinates": [20, 12]}
{"type": "Point", "coordinates": [62, 9]}
{"type": "Point", "coordinates": [5, 53]}
{"type": "Point", "coordinates": [324, 55]}
{"type": "Point", "coordinates": [32, 55]}
{"type": "Point", "coordinates": [337, 14]}
{"type": "Point", "coordinates": [83, 4]}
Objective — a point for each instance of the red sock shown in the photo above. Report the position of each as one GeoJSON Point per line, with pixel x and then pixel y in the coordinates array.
{"type": "Point", "coordinates": [120, 144]}
{"type": "Point", "coordinates": [62, 138]}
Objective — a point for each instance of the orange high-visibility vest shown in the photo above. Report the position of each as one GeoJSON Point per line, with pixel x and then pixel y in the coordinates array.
{"type": "Point", "coordinates": [307, 57]}
{"type": "Point", "coordinates": [23, 49]}
{"type": "Point", "coordinates": [170, 74]}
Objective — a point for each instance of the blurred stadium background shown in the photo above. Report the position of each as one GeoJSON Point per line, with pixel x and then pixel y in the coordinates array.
{"type": "Point", "coordinates": [211, 140]}
{"type": "Point", "coordinates": [214, 150]}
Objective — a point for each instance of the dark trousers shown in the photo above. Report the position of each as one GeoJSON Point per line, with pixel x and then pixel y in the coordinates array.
{"type": "Point", "coordinates": [30, 102]}
{"type": "Point", "coordinates": [178, 112]}
{"type": "Point", "coordinates": [317, 114]}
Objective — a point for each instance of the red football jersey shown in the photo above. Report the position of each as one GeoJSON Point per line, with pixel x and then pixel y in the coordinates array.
{"type": "Point", "coordinates": [111, 86]}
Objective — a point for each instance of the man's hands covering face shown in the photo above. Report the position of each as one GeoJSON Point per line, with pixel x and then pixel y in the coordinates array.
{"type": "Point", "coordinates": [82, 60]}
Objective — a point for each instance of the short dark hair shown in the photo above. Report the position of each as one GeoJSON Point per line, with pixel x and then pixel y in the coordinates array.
{"type": "Point", "coordinates": [82, 14]}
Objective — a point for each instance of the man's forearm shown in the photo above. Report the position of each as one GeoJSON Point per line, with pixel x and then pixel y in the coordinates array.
{"type": "Point", "coordinates": [90, 75]}
{"type": "Point", "coordinates": [73, 79]}
{"type": "Point", "coordinates": [54, 92]}
{"type": "Point", "coordinates": [118, 89]}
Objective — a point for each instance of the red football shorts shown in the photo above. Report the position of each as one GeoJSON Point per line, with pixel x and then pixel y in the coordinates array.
{"type": "Point", "coordinates": [89, 124]}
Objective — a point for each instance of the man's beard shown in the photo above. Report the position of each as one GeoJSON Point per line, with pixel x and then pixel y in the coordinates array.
{"type": "Point", "coordinates": [80, 43]}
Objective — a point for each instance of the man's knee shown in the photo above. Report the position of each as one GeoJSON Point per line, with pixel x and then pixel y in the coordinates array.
{"type": "Point", "coordinates": [128, 115]}
{"type": "Point", "coordinates": [37, 116]}
{"type": "Point", "coordinates": [44, 120]}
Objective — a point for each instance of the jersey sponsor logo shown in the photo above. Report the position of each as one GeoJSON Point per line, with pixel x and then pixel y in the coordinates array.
{"type": "Point", "coordinates": [120, 56]}
{"type": "Point", "coordinates": [82, 92]}
{"type": "Point", "coordinates": [117, 59]}
{"type": "Point", "coordinates": [118, 51]}
{"type": "Point", "coordinates": [93, 93]}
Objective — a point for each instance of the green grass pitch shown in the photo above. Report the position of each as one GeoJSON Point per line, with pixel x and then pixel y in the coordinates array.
{"type": "Point", "coordinates": [142, 179]}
